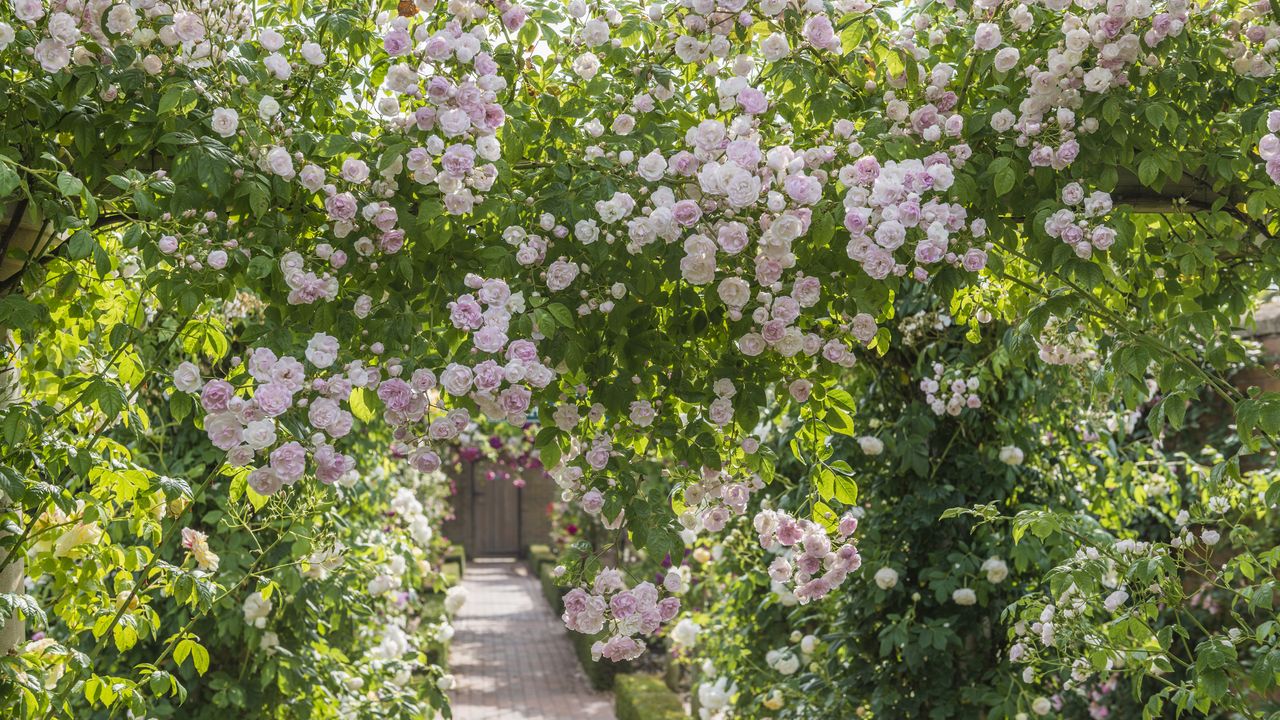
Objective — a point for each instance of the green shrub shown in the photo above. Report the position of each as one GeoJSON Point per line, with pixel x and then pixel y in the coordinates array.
{"type": "Point", "coordinates": [458, 556]}
{"type": "Point", "coordinates": [552, 592]}
{"type": "Point", "coordinates": [644, 696]}
{"type": "Point", "coordinates": [537, 556]}
{"type": "Point", "coordinates": [451, 571]}
{"type": "Point", "coordinates": [432, 612]}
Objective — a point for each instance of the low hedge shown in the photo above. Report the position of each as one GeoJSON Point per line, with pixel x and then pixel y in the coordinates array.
{"type": "Point", "coordinates": [432, 612]}
{"type": "Point", "coordinates": [451, 571]}
{"type": "Point", "coordinates": [644, 696]}
{"type": "Point", "coordinates": [552, 592]}
{"type": "Point", "coordinates": [456, 557]}
{"type": "Point", "coordinates": [537, 556]}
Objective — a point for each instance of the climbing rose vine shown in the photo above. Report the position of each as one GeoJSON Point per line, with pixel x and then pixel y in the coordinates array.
{"type": "Point", "coordinates": [333, 240]}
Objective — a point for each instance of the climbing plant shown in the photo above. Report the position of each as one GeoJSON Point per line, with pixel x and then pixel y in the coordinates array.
{"type": "Point", "coordinates": [694, 240]}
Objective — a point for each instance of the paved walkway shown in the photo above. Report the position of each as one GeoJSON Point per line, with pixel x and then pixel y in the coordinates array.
{"type": "Point", "coordinates": [511, 656]}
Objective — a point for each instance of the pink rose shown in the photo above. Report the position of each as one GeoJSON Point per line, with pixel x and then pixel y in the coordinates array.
{"type": "Point", "coordinates": [216, 395]}
{"type": "Point", "coordinates": [289, 461]}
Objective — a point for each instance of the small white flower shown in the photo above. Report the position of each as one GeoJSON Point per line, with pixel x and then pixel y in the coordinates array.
{"type": "Point", "coordinates": [871, 445]}
{"type": "Point", "coordinates": [886, 578]}
{"type": "Point", "coordinates": [1011, 455]}
{"type": "Point", "coordinates": [1115, 600]}
{"type": "Point", "coordinates": [256, 609]}
{"type": "Point", "coordinates": [685, 633]}
{"type": "Point", "coordinates": [996, 569]}
{"type": "Point", "coordinates": [268, 107]}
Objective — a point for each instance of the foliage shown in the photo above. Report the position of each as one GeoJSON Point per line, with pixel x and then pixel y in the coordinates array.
{"type": "Point", "coordinates": [710, 248]}
{"type": "Point", "coordinates": [641, 695]}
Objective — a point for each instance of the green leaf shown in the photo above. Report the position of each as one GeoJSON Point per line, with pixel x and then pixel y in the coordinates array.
{"type": "Point", "coordinates": [562, 314]}
{"type": "Point", "coordinates": [825, 516]}
{"type": "Point", "coordinates": [69, 184]}
{"type": "Point", "coordinates": [9, 180]}
{"type": "Point", "coordinates": [362, 404]}
{"type": "Point", "coordinates": [823, 229]}
{"type": "Point", "coordinates": [846, 490]}
{"type": "Point", "coordinates": [81, 245]}
{"type": "Point", "coordinates": [178, 100]}
{"type": "Point", "coordinates": [200, 658]}
{"type": "Point", "coordinates": [19, 313]}
{"type": "Point", "coordinates": [1155, 114]}
{"type": "Point", "coordinates": [1002, 175]}
{"type": "Point", "coordinates": [1148, 169]}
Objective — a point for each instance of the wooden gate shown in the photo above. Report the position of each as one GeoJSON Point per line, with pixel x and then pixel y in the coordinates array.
{"type": "Point", "coordinates": [495, 514]}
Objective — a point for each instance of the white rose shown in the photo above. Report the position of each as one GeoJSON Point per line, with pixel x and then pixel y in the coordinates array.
{"type": "Point", "coordinates": [1115, 600]}
{"type": "Point", "coordinates": [1006, 59]}
{"type": "Point", "coordinates": [775, 47]}
{"type": "Point", "coordinates": [964, 596]}
{"type": "Point", "coordinates": [260, 434]}
{"type": "Point", "coordinates": [271, 40]}
{"type": "Point", "coordinates": [652, 167]}
{"type": "Point", "coordinates": [313, 53]}
{"type": "Point", "coordinates": [595, 32]}
{"type": "Point", "coordinates": [268, 107]}
{"type": "Point", "coordinates": [871, 445]}
{"type": "Point", "coordinates": [225, 120]}
{"type": "Point", "coordinates": [586, 65]}
{"type": "Point", "coordinates": [886, 578]}
{"type": "Point", "coordinates": [735, 292]}
{"type": "Point", "coordinates": [121, 20]}
{"type": "Point", "coordinates": [256, 609]}
{"type": "Point", "coordinates": [741, 187]}
{"type": "Point", "coordinates": [322, 350]}
{"type": "Point", "coordinates": [28, 10]}
{"type": "Point", "coordinates": [560, 275]}
{"type": "Point", "coordinates": [278, 65]}
{"type": "Point", "coordinates": [1098, 79]}
{"type": "Point", "coordinates": [996, 569]}
{"type": "Point", "coordinates": [1011, 455]}
{"type": "Point", "coordinates": [52, 55]}
{"type": "Point", "coordinates": [280, 162]}
{"type": "Point", "coordinates": [685, 633]}
{"type": "Point", "coordinates": [586, 231]}
{"type": "Point", "coordinates": [186, 378]}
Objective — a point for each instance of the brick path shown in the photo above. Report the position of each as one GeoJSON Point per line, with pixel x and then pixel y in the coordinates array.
{"type": "Point", "coordinates": [511, 656]}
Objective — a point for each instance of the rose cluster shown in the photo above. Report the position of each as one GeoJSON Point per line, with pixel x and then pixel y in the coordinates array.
{"type": "Point", "coordinates": [1082, 228]}
{"type": "Point", "coordinates": [444, 84]}
{"type": "Point", "coordinates": [245, 422]}
{"type": "Point", "coordinates": [947, 391]}
{"type": "Point", "coordinates": [806, 566]}
{"type": "Point", "coordinates": [627, 612]}
{"type": "Point", "coordinates": [714, 497]}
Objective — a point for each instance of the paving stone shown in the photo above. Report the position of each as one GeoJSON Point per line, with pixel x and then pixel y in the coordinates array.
{"type": "Point", "coordinates": [510, 655]}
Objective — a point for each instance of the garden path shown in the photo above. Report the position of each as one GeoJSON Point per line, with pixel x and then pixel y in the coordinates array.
{"type": "Point", "coordinates": [511, 656]}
